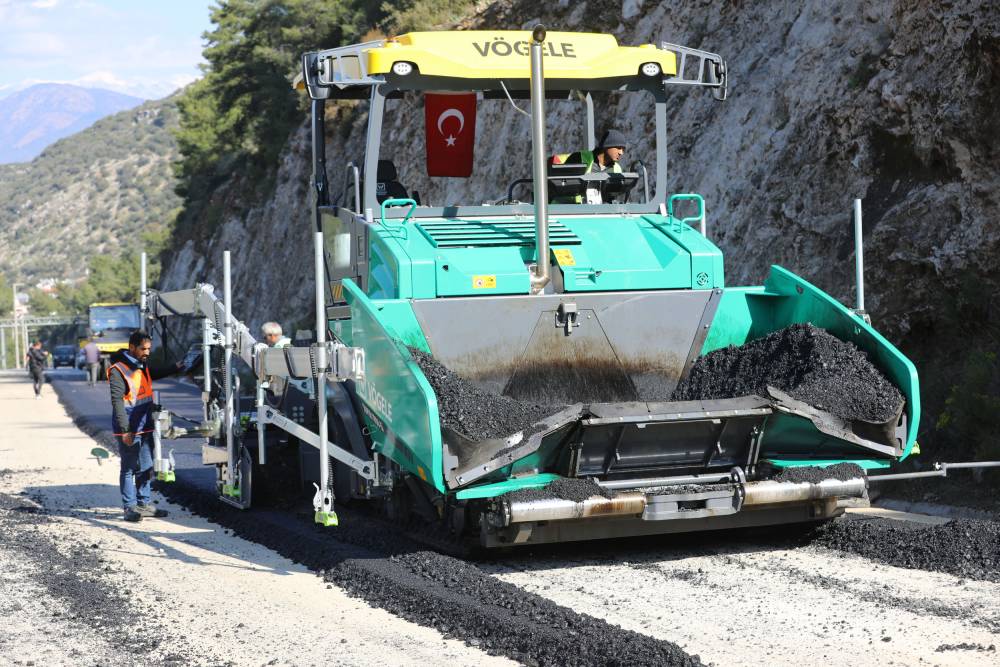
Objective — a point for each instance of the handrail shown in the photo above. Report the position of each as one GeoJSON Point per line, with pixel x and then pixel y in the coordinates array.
{"type": "Point", "coordinates": [399, 202]}
{"type": "Point", "coordinates": [510, 190]}
{"type": "Point", "coordinates": [352, 170]}
{"type": "Point", "coordinates": [700, 218]}
{"type": "Point", "coordinates": [645, 179]}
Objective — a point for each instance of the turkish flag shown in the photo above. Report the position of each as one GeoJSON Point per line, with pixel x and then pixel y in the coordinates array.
{"type": "Point", "coordinates": [450, 133]}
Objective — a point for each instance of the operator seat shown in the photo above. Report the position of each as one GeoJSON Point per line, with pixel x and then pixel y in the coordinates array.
{"type": "Point", "coordinates": [387, 185]}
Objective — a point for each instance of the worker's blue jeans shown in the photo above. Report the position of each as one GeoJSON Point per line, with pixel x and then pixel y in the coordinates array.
{"type": "Point", "coordinates": [136, 477]}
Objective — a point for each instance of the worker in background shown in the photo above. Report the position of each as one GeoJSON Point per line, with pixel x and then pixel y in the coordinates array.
{"type": "Point", "coordinates": [273, 336]}
{"type": "Point", "coordinates": [275, 386]}
{"type": "Point", "coordinates": [131, 382]}
{"type": "Point", "coordinates": [92, 359]}
{"type": "Point", "coordinates": [37, 359]}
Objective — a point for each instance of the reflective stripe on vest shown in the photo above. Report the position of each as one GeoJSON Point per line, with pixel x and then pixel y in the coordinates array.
{"type": "Point", "coordinates": [138, 396]}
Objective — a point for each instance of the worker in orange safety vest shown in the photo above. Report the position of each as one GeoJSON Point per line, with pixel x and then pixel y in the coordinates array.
{"type": "Point", "coordinates": [131, 382]}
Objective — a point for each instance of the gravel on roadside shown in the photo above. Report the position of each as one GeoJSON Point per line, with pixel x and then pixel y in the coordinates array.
{"type": "Point", "coordinates": [93, 602]}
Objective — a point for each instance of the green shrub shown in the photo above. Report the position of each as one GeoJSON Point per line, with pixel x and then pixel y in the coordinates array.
{"type": "Point", "coordinates": [970, 419]}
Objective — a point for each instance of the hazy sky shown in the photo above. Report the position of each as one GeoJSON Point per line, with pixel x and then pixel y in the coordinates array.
{"type": "Point", "coordinates": [146, 48]}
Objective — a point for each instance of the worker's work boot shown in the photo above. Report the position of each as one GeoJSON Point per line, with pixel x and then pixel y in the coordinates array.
{"type": "Point", "coordinates": [150, 511]}
{"type": "Point", "coordinates": [132, 515]}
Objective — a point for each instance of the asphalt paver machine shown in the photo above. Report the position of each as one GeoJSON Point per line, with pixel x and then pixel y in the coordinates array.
{"type": "Point", "coordinates": [594, 297]}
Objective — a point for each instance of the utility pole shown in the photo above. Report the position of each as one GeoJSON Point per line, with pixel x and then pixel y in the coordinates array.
{"type": "Point", "coordinates": [3, 346]}
{"type": "Point", "coordinates": [16, 330]}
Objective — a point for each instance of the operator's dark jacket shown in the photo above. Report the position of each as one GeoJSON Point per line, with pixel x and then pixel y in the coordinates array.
{"type": "Point", "coordinates": [119, 387]}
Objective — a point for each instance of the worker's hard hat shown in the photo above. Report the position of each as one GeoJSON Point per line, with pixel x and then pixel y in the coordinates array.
{"type": "Point", "coordinates": [613, 139]}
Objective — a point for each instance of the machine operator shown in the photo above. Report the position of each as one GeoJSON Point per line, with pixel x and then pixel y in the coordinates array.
{"type": "Point", "coordinates": [606, 157]}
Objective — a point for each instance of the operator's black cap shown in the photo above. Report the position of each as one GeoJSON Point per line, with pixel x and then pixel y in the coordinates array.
{"type": "Point", "coordinates": [612, 139]}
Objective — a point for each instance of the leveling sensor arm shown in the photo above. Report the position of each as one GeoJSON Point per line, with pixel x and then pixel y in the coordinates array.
{"type": "Point", "coordinates": [309, 368]}
{"type": "Point", "coordinates": [938, 470]}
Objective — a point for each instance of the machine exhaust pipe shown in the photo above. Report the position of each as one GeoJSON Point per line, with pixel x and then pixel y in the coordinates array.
{"type": "Point", "coordinates": [540, 275]}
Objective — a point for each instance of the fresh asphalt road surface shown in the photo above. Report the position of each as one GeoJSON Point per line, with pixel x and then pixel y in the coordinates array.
{"type": "Point", "coordinates": [741, 599]}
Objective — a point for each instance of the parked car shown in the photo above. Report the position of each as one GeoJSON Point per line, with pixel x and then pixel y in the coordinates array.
{"type": "Point", "coordinates": [64, 355]}
{"type": "Point", "coordinates": [81, 359]}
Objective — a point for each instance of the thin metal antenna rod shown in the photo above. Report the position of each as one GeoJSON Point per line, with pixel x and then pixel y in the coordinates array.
{"type": "Point", "coordinates": [324, 500]}
{"type": "Point", "coordinates": [206, 365]}
{"type": "Point", "coordinates": [859, 256]}
{"type": "Point", "coordinates": [142, 289]}
{"type": "Point", "coordinates": [227, 287]}
{"type": "Point", "coordinates": [540, 277]}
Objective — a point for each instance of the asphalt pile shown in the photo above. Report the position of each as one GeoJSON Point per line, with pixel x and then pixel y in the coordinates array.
{"type": "Point", "coordinates": [472, 411]}
{"type": "Point", "coordinates": [963, 547]}
{"type": "Point", "coordinates": [564, 488]}
{"type": "Point", "coordinates": [803, 361]}
{"type": "Point", "coordinates": [816, 474]}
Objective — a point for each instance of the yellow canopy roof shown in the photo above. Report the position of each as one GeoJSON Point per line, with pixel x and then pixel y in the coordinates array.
{"type": "Point", "coordinates": [488, 55]}
{"type": "Point", "coordinates": [504, 54]}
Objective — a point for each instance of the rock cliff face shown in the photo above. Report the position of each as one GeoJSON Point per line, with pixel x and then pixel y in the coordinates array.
{"type": "Point", "coordinates": [893, 102]}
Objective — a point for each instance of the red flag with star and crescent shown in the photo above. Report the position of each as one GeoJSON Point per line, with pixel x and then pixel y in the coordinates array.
{"type": "Point", "coordinates": [450, 131]}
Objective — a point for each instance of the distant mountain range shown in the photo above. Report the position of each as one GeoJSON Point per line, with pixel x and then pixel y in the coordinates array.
{"type": "Point", "coordinates": [35, 117]}
{"type": "Point", "coordinates": [99, 191]}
